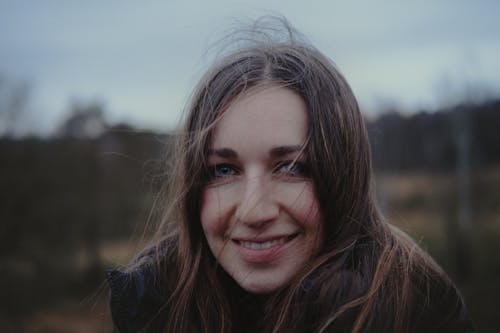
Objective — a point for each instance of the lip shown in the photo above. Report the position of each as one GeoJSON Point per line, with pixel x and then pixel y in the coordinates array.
{"type": "Point", "coordinates": [265, 249]}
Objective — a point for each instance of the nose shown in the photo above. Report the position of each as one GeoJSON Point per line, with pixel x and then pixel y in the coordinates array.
{"type": "Point", "coordinates": [258, 204]}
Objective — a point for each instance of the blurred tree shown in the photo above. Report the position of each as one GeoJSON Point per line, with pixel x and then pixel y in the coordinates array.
{"type": "Point", "coordinates": [85, 121]}
{"type": "Point", "coordinates": [14, 98]}
{"type": "Point", "coordinates": [459, 220]}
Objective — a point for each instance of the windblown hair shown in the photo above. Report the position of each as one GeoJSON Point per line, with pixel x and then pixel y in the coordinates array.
{"type": "Point", "coordinates": [368, 275]}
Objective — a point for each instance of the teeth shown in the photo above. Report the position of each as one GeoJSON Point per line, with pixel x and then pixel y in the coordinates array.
{"type": "Point", "coordinates": [263, 245]}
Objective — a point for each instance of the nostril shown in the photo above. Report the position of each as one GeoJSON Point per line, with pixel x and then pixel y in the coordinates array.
{"type": "Point", "coordinates": [258, 214]}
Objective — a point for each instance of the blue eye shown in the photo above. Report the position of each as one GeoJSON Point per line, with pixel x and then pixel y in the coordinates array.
{"type": "Point", "coordinates": [222, 171]}
{"type": "Point", "coordinates": [293, 169]}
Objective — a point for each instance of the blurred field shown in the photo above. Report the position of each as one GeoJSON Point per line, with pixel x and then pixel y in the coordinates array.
{"type": "Point", "coordinates": [70, 316]}
{"type": "Point", "coordinates": [75, 204]}
{"type": "Point", "coordinates": [425, 206]}
{"type": "Point", "coordinates": [422, 204]}
{"type": "Point", "coordinates": [77, 314]}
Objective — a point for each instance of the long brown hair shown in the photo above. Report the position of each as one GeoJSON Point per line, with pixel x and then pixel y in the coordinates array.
{"type": "Point", "coordinates": [368, 276]}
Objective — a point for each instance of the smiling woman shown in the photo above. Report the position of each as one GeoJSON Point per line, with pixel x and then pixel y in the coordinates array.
{"type": "Point", "coordinates": [272, 225]}
{"type": "Point", "coordinates": [259, 212]}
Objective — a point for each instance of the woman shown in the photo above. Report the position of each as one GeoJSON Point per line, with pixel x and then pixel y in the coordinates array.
{"type": "Point", "coordinates": [273, 226]}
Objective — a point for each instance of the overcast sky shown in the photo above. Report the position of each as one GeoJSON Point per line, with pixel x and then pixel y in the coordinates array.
{"type": "Point", "coordinates": [142, 58]}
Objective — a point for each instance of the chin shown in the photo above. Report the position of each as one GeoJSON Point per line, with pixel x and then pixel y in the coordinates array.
{"type": "Point", "coordinates": [261, 287]}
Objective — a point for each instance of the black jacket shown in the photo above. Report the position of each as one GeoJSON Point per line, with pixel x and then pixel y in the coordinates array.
{"type": "Point", "coordinates": [137, 304]}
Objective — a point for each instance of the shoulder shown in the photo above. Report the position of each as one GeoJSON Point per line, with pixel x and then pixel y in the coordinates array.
{"type": "Point", "coordinates": [432, 301]}
{"type": "Point", "coordinates": [136, 298]}
{"type": "Point", "coordinates": [438, 305]}
{"type": "Point", "coordinates": [138, 293]}
{"type": "Point", "coordinates": [404, 292]}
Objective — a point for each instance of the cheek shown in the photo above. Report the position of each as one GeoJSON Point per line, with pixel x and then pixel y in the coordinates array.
{"type": "Point", "coordinates": [301, 202]}
{"type": "Point", "coordinates": [206, 211]}
{"type": "Point", "coordinates": [213, 211]}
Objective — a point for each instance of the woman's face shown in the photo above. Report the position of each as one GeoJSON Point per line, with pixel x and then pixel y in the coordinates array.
{"type": "Point", "coordinates": [259, 212]}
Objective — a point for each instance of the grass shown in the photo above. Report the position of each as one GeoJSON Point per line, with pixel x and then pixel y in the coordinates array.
{"type": "Point", "coordinates": [422, 204]}
{"type": "Point", "coordinates": [426, 206]}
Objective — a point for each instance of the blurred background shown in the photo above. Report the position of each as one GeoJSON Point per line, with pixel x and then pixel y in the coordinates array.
{"type": "Point", "coordinates": [91, 92]}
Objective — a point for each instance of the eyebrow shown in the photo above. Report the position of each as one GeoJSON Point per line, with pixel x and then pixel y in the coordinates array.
{"type": "Point", "coordinates": [279, 151]}
{"type": "Point", "coordinates": [223, 152]}
{"type": "Point", "coordinates": [284, 150]}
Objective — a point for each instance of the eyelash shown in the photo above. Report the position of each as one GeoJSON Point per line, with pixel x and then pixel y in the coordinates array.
{"type": "Point", "coordinates": [292, 169]}
{"type": "Point", "coordinates": [214, 172]}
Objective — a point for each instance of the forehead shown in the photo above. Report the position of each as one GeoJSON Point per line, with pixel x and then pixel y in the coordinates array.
{"type": "Point", "coordinates": [263, 116]}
